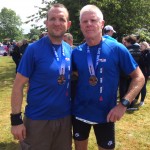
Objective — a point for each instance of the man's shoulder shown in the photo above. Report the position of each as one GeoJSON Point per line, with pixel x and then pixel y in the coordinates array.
{"type": "Point", "coordinates": [112, 43]}
{"type": "Point", "coordinates": [65, 44]}
{"type": "Point", "coordinates": [39, 43]}
{"type": "Point", "coordinates": [115, 47]}
{"type": "Point", "coordinates": [67, 47]}
{"type": "Point", "coordinates": [109, 37]}
{"type": "Point", "coordinates": [80, 47]}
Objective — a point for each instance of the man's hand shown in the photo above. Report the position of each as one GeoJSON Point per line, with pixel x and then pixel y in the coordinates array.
{"type": "Point", "coordinates": [19, 132]}
{"type": "Point", "coordinates": [116, 113]}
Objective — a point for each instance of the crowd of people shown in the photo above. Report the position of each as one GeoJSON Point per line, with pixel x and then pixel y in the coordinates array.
{"type": "Point", "coordinates": [96, 66]}
{"type": "Point", "coordinates": [16, 49]}
{"type": "Point", "coordinates": [141, 55]}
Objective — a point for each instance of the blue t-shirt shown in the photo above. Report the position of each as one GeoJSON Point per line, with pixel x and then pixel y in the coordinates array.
{"type": "Point", "coordinates": [109, 37]}
{"type": "Point", "coordinates": [46, 99]}
{"type": "Point", "coordinates": [93, 103]}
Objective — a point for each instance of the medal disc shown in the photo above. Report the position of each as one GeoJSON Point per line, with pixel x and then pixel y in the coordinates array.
{"type": "Point", "coordinates": [93, 80]}
{"type": "Point", "coordinates": [61, 79]}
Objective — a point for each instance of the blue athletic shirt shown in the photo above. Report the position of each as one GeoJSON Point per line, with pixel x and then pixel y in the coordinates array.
{"type": "Point", "coordinates": [109, 37]}
{"type": "Point", "coordinates": [93, 103]}
{"type": "Point", "coordinates": [46, 99]}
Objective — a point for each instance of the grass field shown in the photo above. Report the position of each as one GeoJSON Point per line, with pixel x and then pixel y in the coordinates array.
{"type": "Point", "coordinates": [132, 132]}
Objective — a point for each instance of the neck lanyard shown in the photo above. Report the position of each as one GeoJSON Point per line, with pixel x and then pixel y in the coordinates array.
{"type": "Point", "coordinates": [93, 79]}
{"type": "Point", "coordinates": [90, 62]}
{"type": "Point", "coordinates": [60, 62]}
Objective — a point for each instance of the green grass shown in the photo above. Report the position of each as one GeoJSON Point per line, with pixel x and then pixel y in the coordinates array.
{"type": "Point", "coordinates": [132, 131]}
{"type": "Point", "coordinates": [7, 74]}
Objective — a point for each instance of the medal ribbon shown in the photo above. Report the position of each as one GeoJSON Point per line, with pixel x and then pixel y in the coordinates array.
{"type": "Point", "coordinates": [62, 63]}
{"type": "Point", "coordinates": [91, 67]}
{"type": "Point", "coordinates": [89, 60]}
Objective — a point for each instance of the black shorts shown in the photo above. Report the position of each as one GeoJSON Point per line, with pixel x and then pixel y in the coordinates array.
{"type": "Point", "coordinates": [104, 132]}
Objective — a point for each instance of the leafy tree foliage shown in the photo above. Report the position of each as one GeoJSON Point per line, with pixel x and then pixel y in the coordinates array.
{"type": "Point", "coordinates": [126, 16]}
{"type": "Point", "coordinates": [10, 25]}
{"type": "Point", "coordinates": [143, 34]}
{"type": "Point", "coordinates": [34, 34]}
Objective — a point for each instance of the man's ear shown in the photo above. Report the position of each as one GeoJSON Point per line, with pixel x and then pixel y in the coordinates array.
{"type": "Point", "coordinates": [103, 22]}
{"type": "Point", "coordinates": [69, 24]}
{"type": "Point", "coordinates": [45, 22]}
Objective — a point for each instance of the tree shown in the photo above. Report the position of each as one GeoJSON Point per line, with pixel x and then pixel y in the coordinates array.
{"type": "Point", "coordinates": [10, 25]}
{"type": "Point", "coordinates": [143, 34]}
{"type": "Point", "coordinates": [126, 16]}
{"type": "Point", "coordinates": [34, 34]}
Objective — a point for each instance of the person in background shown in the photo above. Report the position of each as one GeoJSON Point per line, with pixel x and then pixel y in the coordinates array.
{"type": "Point", "coordinates": [42, 34]}
{"type": "Point", "coordinates": [8, 48]}
{"type": "Point", "coordinates": [108, 32]}
{"type": "Point", "coordinates": [11, 47]}
{"type": "Point", "coordinates": [23, 47]}
{"type": "Point", "coordinates": [144, 64]}
{"type": "Point", "coordinates": [95, 104]}
{"type": "Point", "coordinates": [4, 48]}
{"type": "Point", "coordinates": [69, 39]}
{"type": "Point", "coordinates": [46, 66]}
{"type": "Point", "coordinates": [16, 54]}
{"type": "Point", "coordinates": [134, 48]}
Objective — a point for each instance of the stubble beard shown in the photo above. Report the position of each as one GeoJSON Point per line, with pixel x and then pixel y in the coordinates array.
{"type": "Point", "coordinates": [59, 36]}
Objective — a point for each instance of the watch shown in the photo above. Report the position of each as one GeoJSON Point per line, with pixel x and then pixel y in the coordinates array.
{"type": "Point", "coordinates": [125, 102]}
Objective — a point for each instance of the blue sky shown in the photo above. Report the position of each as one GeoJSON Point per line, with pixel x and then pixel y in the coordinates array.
{"type": "Point", "coordinates": [23, 8]}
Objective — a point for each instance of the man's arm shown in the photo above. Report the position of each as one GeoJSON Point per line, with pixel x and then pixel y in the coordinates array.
{"type": "Point", "coordinates": [135, 86]}
{"type": "Point", "coordinates": [18, 130]}
{"type": "Point", "coordinates": [17, 93]}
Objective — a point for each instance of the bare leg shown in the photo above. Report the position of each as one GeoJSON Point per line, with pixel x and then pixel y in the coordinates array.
{"type": "Point", "coordinates": [81, 145]}
{"type": "Point", "coordinates": [100, 148]}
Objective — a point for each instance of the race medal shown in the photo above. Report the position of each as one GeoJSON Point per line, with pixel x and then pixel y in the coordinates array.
{"type": "Point", "coordinates": [61, 79]}
{"type": "Point", "coordinates": [93, 80]}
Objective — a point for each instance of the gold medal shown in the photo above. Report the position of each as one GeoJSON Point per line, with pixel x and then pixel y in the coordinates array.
{"type": "Point", "coordinates": [61, 79]}
{"type": "Point", "coordinates": [93, 80]}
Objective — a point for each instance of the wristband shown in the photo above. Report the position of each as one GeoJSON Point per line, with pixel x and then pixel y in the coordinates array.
{"type": "Point", "coordinates": [16, 119]}
{"type": "Point", "coordinates": [125, 102]}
